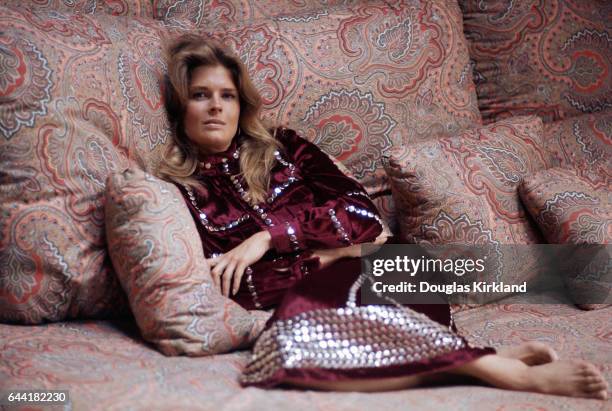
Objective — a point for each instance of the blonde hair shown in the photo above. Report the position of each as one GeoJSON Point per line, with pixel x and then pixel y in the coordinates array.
{"type": "Point", "coordinates": [180, 160]}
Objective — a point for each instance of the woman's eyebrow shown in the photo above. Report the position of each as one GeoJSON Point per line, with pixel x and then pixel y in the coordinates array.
{"type": "Point", "coordinates": [196, 87]}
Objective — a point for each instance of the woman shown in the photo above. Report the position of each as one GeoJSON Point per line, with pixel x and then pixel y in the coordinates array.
{"type": "Point", "coordinates": [280, 227]}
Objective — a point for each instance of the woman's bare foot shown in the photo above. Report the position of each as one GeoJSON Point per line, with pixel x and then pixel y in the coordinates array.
{"type": "Point", "coordinates": [571, 378]}
{"type": "Point", "coordinates": [531, 353]}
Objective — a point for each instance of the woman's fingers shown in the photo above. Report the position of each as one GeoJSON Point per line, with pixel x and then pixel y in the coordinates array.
{"type": "Point", "coordinates": [238, 277]}
{"type": "Point", "coordinates": [218, 271]}
{"type": "Point", "coordinates": [226, 278]}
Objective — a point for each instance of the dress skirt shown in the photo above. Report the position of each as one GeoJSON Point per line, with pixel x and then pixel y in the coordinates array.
{"type": "Point", "coordinates": [321, 332]}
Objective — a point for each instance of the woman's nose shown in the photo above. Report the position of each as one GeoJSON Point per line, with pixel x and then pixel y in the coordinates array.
{"type": "Point", "coordinates": [215, 104]}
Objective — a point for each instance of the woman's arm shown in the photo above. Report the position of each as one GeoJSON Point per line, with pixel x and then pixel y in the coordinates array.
{"type": "Point", "coordinates": [343, 213]}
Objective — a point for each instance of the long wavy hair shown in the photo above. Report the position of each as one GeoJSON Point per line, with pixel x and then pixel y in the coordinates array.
{"type": "Point", "coordinates": [180, 160]}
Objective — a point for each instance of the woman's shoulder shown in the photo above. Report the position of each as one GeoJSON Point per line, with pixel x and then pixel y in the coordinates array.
{"type": "Point", "coordinates": [289, 138]}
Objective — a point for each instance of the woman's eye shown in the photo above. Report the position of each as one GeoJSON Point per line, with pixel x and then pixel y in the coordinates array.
{"type": "Point", "coordinates": [229, 96]}
{"type": "Point", "coordinates": [198, 95]}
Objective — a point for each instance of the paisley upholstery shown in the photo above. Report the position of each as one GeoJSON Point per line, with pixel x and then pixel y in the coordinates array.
{"type": "Point", "coordinates": [568, 209]}
{"type": "Point", "coordinates": [463, 190]}
{"type": "Point", "coordinates": [551, 58]}
{"type": "Point", "coordinates": [583, 144]}
{"type": "Point", "coordinates": [134, 8]}
{"type": "Point", "coordinates": [80, 99]}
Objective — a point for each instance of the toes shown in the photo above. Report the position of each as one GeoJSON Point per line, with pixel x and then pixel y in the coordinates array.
{"type": "Point", "coordinates": [587, 369]}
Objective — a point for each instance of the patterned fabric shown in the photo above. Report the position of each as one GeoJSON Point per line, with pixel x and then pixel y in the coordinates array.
{"type": "Point", "coordinates": [356, 79]}
{"type": "Point", "coordinates": [550, 58]}
{"type": "Point", "coordinates": [463, 190]}
{"type": "Point", "coordinates": [80, 96]}
{"type": "Point", "coordinates": [138, 8]}
{"type": "Point", "coordinates": [107, 366]}
{"type": "Point", "coordinates": [569, 210]}
{"type": "Point", "coordinates": [157, 253]}
{"type": "Point", "coordinates": [583, 144]}
{"type": "Point", "coordinates": [228, 12]}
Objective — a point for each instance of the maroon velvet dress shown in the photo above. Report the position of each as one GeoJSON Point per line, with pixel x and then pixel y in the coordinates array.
{"type": "Point", "coordinates": [319, 330]}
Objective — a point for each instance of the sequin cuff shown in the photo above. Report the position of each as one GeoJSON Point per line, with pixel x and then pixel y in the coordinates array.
{"type": "Point", "coordinates": [285, 237]}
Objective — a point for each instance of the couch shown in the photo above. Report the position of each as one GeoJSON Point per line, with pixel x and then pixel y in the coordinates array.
{"type": "Point", "coordinates": [376, 85]}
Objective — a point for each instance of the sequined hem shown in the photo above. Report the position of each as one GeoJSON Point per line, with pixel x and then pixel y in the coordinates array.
{"type": "Point", "coordinates": [349, 338]}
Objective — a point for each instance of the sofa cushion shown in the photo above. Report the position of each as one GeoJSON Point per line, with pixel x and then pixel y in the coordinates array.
{"type": "Point", "coordinates": [206, 14]}
{"type": "Point", "coordinates": [550, 58]}
{"type": "Point", "coordinates": [567, 208]}
{"type": "Point", "coordinates": [80, 97]}
{"type": "Point", "coordinates": [354, 79]}
{"type": "Point", "coordinates": [463, 190]}
{"type": "Point", "coordinates": [583, 144]}
{"type": "Point", "coordinates": [570, 210]}
{"type": "Point", "coordinates": [136, 8]}
{"type": "Point", "coordinates": [157, 254]}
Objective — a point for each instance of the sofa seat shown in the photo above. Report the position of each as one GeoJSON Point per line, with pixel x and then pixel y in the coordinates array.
{"type": "Point", "coordinates": [105, 365]}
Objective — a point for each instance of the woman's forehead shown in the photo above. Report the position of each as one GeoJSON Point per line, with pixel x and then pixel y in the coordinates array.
{"type": "Point", "coordinates": [212, 77]}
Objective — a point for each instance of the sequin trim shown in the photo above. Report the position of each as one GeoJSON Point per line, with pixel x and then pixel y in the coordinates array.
{"type": "Point", "coordinates": [338, 226]}
{"type": "Point", "coordinates": [261, 212]}
{"type": "Point", "coordinates": [204, 218]}
{"type": "Point", "coordinates": [292, 237]}
{"type": "Point", "coordinates": [278, 190]}
{"type": "Point", "coordinates": [363, 212]}
{"type": "Point", "coordinates": [357, 194]}
{"type": "Point", "coordinates": [349, 338]}
{"type": "Point", "coordinates": [251, 287]}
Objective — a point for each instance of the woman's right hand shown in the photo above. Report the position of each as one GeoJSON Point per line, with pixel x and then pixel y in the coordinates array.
{"type": "Point", "coordinates": [227, 270]}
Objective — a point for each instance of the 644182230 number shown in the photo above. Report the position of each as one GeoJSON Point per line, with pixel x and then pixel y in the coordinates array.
{"type": "Point", "coordinates": [14, 397]}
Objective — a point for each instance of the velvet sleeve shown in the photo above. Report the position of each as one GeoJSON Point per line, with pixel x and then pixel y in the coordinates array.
{"type": "Point", "coordinates": [342, 214]}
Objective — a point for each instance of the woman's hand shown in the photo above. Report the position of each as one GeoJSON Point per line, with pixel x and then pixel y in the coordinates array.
{"type": "Point", "coordinates": [330, 256]}
{"type": "Point", "coordinates": [227, 270]}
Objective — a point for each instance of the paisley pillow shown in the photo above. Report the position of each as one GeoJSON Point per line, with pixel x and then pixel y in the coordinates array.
{"type": "Point", "coordinates": [463, 190]}
{"type": "Point", "coordinates": [583, 144]}
{"type": "Point", "coordinates": [80, 95]}
{"type": "Point", "coordinates": [157, 254]}
{"type": "Point", "coordinates": [570, 210]}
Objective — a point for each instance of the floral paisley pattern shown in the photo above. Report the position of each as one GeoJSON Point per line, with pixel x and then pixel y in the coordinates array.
{"type": "Point", "coordinates": [351, 127]}
{"type": "Point", "coordinates": [583, 144]}
{"type": "Point", "coordinates": [106, 365]}
{"type": "Point", "coordinates": [568, 208]}
{"type": "Point", "coordinates": [551, 58]}
{"type": "Point", "coordinates": [140, 74]}
{"type": "Point", "coordinates": [449, 191]}
{"type": "Point", "coordinates": [67, 126]}
{"type": "Point", "coordinates": [142, 8]}
{"type": "Point", "coordinates": [25, 85]}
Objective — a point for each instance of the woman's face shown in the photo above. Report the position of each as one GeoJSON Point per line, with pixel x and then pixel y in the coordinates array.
{"type": "Point", "coordinates": [213, 109]}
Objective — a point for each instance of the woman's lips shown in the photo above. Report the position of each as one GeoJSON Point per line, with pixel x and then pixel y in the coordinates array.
{"type": "Point", "coordinates": [214, 124]}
